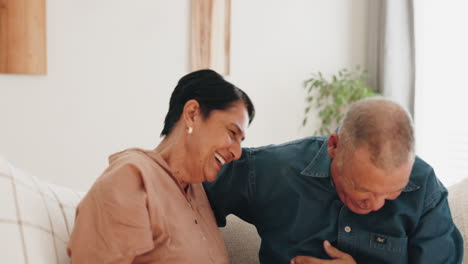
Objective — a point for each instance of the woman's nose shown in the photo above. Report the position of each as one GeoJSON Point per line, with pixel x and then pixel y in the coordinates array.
{"type": "Point", "coordinates": [235, 150]}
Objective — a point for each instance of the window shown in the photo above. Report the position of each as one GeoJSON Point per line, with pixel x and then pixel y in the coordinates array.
{"type": "Point", "coordinates": [441, 96]}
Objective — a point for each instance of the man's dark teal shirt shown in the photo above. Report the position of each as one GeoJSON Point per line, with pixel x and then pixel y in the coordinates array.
{"type": "Point", "coordinates": [286, 191]}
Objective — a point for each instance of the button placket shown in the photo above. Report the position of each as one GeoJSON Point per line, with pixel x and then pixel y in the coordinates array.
{"type": "Point", "coordinates": [347, 238]}
{"type": "Point", "coordinates": [196, 221]}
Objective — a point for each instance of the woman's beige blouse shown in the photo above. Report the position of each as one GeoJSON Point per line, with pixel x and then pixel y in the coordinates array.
{"type": "Point", "coordinates": [136, 208]}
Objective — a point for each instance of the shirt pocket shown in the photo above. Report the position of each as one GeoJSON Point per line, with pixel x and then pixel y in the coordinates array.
{"type": "Point", "coordinates": [388, 249]}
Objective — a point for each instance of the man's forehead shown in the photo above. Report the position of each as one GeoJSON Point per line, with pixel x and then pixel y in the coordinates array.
{"type": "Point", "coordinates": [369, 178]}
{"type": "Point", "coordinates": [377, 180]}
{"type": "Point", "coordinates": [382, 189]}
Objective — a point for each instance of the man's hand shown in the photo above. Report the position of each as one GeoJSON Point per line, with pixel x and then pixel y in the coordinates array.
{"type": "Point", "coordinates": [337, 256]}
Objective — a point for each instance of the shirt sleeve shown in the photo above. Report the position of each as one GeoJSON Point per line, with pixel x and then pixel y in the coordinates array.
{"type": "Point", "coordinates": [112, 221]}
{"type": "Point", "coordinates": [436, 239]}
{"type": "Point", "coordinates": [232, 191]}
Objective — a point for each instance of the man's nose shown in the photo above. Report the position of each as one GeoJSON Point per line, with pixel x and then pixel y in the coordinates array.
{"type": "Point", "coordinates": [378, 203]}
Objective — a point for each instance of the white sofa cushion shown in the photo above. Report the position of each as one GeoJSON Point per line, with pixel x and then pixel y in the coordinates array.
{"type": "Point", "coordinates": [458, 201]}
{"type": "Point", "coordinates": [35, 218]}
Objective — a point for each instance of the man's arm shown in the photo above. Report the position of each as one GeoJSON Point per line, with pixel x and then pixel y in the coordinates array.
{"type": "Point", "coordinates": [232, 191]}
{"type": "Point", "coordinates": [436, 238]}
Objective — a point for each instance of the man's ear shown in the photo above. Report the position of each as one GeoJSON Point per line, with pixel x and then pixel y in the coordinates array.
{"type": "Point", "coordinates": [190, 112]}
{"type": "Point", "coordinates": [333, 145]}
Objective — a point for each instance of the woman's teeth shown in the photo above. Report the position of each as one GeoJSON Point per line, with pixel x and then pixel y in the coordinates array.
{"type": "Point", "coordinates": [220, 159]}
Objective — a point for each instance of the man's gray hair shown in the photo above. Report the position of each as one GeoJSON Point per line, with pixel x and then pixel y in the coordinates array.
{"type": "Point", "coordinates": [383, 127]}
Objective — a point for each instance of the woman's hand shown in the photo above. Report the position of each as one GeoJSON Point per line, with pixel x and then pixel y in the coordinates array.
{"type": "Point", "coordinates": [338, 257]}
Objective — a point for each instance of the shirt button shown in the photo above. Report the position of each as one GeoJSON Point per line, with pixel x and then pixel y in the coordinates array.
{"type": "Point", "coordinates": [347, 229]}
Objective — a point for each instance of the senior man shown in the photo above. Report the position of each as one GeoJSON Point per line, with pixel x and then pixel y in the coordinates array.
{"type": "Point", "coordinates": [357, 196]}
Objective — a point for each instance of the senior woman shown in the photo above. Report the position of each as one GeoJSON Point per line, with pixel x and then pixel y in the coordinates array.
{"type": "Point", "coordinates": [149, 205]}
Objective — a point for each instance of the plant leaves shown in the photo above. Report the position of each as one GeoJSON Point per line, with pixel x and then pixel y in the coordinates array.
{"type": "Point", "coordinates": [334, 95]}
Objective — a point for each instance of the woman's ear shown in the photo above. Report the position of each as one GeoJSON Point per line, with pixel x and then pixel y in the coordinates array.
{"type": "Point", "coordinates": [190, 113]}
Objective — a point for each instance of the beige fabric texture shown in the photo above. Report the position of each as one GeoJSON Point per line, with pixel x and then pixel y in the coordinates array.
{"type": "Point", "coordinates": [242, 241]}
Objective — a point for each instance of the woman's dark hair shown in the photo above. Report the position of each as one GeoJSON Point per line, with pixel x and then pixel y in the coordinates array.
{"type": "Point", "coordinates": [210, 90]}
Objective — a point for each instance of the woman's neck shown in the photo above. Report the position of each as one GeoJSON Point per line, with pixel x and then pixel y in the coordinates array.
{"type": "Point", "coordinates": [173, 151]}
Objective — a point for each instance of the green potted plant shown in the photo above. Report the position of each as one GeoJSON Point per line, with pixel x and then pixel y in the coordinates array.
{"type": "Point", "coordinates": [331, 97]}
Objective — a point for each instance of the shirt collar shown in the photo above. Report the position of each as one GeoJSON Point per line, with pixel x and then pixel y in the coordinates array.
{"type": "Point", "coordinates": [319, 167]}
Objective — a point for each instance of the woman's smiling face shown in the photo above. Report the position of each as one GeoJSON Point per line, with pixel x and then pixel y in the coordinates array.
{"type": "Point", "coordinates": [216, 140]}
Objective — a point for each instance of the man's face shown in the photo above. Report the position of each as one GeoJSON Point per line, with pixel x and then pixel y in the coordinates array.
{"type": "Point", "coordinates": [363, 187]}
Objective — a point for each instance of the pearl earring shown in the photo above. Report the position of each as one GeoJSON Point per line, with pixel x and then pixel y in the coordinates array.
{"type": "Point", "coordinates": [190, 130]}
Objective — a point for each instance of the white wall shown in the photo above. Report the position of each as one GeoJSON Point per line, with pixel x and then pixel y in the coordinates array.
{"type": "Point", "coordinates": [113, 65]}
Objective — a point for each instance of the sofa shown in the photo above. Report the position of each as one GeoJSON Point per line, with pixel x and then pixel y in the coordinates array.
{"type": "Point", "coordinates": [36, 219]}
